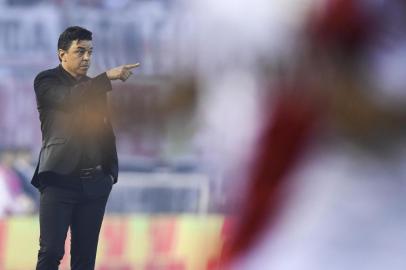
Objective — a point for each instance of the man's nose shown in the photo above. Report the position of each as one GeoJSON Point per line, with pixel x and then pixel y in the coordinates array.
{"type": "Point", "coordinates": [86, 56]}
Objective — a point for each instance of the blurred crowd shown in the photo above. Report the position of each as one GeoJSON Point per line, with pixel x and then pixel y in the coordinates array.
{"type": "Point", "coordinates": [17, 195]}
{"type": "Point", "coordinates": [106, 4]}
{"type": "Point", "coordinates": [154, 115]}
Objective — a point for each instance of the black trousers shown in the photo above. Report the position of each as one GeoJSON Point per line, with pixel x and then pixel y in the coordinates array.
{"type": "Point", "coordinates": [81, 210]}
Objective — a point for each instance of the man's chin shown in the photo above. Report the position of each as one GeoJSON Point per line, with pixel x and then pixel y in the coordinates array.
{"type": "Point", "coordinates": [82, 72]}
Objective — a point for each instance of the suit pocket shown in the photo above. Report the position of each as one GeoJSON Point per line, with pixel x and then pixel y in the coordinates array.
{"type": "Point", "coordinates": [99, 184]}
{"type": "Point", "coordinates": [55, 141]}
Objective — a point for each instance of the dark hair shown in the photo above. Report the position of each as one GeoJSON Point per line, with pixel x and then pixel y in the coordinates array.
{"type": "Point", "coordinates": [70, 34]}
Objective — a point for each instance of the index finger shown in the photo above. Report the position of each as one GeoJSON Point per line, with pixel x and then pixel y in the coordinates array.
{"type": "Point", "coordinates": [130, 66]}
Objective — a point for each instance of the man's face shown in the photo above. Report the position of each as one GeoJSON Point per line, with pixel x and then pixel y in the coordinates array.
{"type": "Point", "coordinates": [76, 60]}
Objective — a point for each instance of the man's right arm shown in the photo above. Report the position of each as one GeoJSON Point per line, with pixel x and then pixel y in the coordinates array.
{"type": "Point", "coordinates": [51, 93]}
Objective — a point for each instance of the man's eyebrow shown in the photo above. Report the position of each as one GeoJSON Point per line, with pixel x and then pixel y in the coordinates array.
{"type": "Point", "coordinates": [79, 47]}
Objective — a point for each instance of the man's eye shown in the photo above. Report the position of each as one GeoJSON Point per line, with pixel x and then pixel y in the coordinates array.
{"type": "Point", "coordinates": [82, 52]}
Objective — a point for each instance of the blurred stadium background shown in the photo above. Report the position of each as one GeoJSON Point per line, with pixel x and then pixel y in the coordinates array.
{"type": "Point", "coordinates": [167, 211]}
{"type": "Point", "coordinates": [274, 125]}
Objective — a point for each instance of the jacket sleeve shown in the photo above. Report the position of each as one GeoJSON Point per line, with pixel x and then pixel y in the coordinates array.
{"type": "Point", "coordinates": [111, 162]}
{"type": "Point", "coordinates": [51, 93]}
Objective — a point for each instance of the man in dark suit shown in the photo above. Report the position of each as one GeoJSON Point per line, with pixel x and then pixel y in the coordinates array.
{"type": "Point", "coordinates": [78, 160]}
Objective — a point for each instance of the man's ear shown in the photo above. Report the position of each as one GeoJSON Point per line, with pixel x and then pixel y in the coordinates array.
{"type": "Point", "coordinates": [61, 53]}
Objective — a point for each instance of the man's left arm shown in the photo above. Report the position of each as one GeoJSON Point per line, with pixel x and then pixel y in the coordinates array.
{"type": "Point", "coordinates": [110, 163]}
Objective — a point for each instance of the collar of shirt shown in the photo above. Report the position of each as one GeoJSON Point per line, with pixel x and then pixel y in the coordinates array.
{"type": "Point", "coordinates": [70, 77]}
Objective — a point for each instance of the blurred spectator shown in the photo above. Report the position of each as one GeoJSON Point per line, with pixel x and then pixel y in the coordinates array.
{"type": "Point", "coordinates": [24, 168]}
{"type": "Point", "coordinates": [13, 200]}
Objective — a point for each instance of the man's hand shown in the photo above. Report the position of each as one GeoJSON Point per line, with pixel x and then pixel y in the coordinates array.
{"type": "Point", "coordinates": [121, 72]}
{"type": "Point", "coordinates": [112, 179]}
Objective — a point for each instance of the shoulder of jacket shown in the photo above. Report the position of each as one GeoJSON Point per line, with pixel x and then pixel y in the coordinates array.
{"type": "Point", "coordinates": [53, 72]}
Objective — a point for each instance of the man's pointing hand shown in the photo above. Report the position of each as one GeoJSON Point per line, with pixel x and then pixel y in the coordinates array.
{"type": "Point", "coordinates": [122, 72]}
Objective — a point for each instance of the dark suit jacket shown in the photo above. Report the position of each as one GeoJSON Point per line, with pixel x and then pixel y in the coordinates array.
{"type": "Point", "coordinates": [70, 111]}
